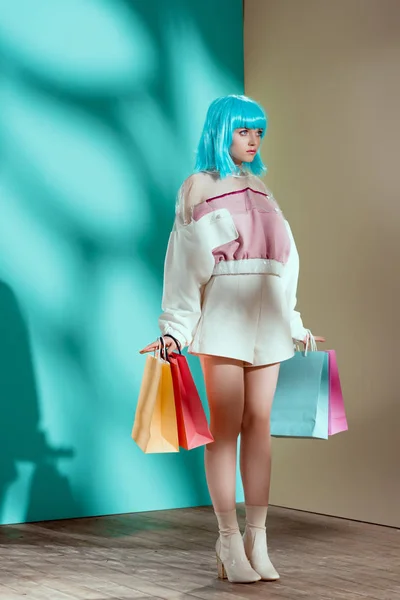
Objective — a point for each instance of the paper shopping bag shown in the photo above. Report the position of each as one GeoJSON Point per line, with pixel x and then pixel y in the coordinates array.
{"type": "Point", "coordinates": [155, 428]}
{"type": "Point", "coordinates": [301, 403]}
{"type": "Point", "coordinates": [337, 414]}
{"type": "Point", "coordinates": [192, 423]}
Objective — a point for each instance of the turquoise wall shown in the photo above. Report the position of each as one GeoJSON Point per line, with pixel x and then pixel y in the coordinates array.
{"type": "Point", "coordinates": [102, 105]}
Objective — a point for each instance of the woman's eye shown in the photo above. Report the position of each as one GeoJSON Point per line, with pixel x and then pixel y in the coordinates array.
{"type": "Point", "coordinates": [243, 132]}
{"type": "Point", "coordinates": [260, 132]}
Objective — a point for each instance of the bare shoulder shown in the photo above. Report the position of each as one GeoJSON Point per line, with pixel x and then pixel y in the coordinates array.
{"type": "Point", "coordinates": [198, 180]}
{"type": "Point", "coordinates": [258, 184]}
{"type": "Point", "coordinates": [194, 188]}
{"type": "Point", "coordinates": [191, 193]}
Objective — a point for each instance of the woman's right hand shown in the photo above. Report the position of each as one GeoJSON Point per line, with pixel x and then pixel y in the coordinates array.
{"type": "Point", "coordinates": [169, 344]}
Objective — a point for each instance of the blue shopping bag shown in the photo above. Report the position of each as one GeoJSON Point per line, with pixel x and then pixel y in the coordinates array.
{"type": "Point", "coordinates": [301, 403]}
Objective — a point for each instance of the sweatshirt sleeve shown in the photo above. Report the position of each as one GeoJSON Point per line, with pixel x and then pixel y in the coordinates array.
{"type": "Point", "coordinates": [188, 267]}
{"type": "Point", "coordinates": [290, 279]}
{"type": "Point", "coordinates": [189, 261]}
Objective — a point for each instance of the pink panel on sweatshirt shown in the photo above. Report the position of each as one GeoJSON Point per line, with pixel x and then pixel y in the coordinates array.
{"type": "Point", "coordinates": [260, 224]}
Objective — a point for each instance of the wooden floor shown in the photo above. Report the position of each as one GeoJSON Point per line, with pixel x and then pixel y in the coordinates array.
{"type": "Point", "coordinates": [169, 555]}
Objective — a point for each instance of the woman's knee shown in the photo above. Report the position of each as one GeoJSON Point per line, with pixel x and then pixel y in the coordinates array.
{"type": "Point", "coordinates": [256, 421]}
{"type": "Point", "coordinates": [226, 430]}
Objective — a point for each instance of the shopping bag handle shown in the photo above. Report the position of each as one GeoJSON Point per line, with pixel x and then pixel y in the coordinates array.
{"type": "Point", "coordinates": [311, 341]}
{"type": "Point", "coordinates": [311, 344]}
{"type": "Point", "coordinates": [163, 353]}
{"type": "Point", "coordinates": [175, 340]}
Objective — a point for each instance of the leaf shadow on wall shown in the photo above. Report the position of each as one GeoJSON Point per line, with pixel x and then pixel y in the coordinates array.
{"type": "Point", "coordinates": [22, 440]}
{"type": "Point", "coordinates": [103, 236]}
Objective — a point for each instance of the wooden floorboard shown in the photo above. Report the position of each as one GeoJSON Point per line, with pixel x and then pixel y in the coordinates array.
{"type": "Point", "coordinates": [169, 555]}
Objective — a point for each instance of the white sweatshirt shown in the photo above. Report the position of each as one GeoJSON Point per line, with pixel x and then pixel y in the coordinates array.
{"type": "Point", "coordinates": [224, 227]}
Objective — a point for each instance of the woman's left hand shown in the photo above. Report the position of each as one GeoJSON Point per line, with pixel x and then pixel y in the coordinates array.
{"type": "Point", "coordinates": [169, 344]}
{"type": "Point", "coordinates": [317, 338]}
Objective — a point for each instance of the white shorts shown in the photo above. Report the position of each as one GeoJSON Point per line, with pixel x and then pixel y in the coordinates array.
{"type": "Point", "coordinates": [244, 317]}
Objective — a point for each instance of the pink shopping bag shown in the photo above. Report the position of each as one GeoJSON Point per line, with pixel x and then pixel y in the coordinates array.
{"type": "Point", "coordinates": [337, 421]}
{"type": "Point", "coordinates": [192, 423]}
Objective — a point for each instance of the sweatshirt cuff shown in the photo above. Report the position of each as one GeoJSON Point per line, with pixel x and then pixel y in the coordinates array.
{"type": "Point", "coordinates": [181, 339]}
{"type": "Point", "coordinates": [298, 331]}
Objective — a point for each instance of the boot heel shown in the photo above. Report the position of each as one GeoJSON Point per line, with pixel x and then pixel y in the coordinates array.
{"type": "Point", "coordinates": [221, 569]}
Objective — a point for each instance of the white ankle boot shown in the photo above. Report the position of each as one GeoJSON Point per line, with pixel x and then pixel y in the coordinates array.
{"type": "Point", "coordinates": [232, 561]}
{"type": "Point", "coordinates": [255, 543]}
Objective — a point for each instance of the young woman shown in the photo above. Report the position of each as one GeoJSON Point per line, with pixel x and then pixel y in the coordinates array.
{"type": "Point", "coordinates": [230, 283]}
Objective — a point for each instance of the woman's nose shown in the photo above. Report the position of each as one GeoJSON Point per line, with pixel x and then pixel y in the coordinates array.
{"type": "Point", "coordinates": [252, 139]}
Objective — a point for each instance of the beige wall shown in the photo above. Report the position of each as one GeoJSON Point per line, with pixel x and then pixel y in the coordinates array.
{"type": "Point", "coordinates": [328, 74]}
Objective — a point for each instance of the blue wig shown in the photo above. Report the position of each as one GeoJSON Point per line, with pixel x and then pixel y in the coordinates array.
{"type": "Point", "coordinates": [225, 115]}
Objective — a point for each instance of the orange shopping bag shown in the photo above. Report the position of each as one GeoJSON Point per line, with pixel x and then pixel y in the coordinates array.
{"type": "Point", "coordinates": [155, 427]}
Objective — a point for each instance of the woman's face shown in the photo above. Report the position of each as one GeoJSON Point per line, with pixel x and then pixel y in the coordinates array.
{"type": "Point", "coordinates": [245, 144]}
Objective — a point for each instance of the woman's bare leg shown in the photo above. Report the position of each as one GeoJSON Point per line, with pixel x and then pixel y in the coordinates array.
{"type": "Point", "coordinates": [225, 392]}
{"type": "Point", "coordinates": [224, 382]}
{"type": "Point", "coordinates": [255, 463]}
{"type": "Point", "coordinates": [255, 445]}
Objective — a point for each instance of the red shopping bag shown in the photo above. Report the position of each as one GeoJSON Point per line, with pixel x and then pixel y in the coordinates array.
{"type": "Point", "coordinates": [192, 423]}
{"type": "Point", "coordinates": [337, 421]}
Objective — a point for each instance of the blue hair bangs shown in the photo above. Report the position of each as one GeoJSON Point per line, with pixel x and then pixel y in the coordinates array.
{"type": "Point", "coordinates": [225, 115]}
{"type": "Point", "coordinates": [248, 114]}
